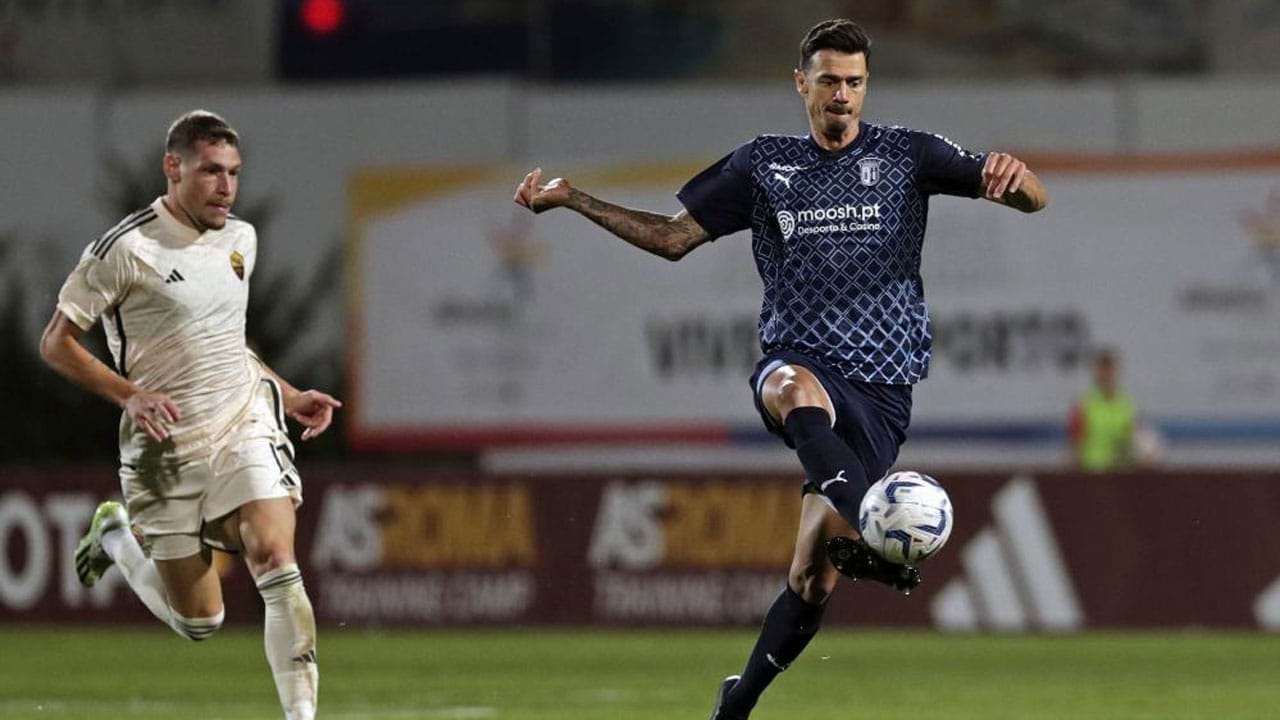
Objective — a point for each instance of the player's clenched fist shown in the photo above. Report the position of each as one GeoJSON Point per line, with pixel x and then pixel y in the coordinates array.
{"type": "Point", "coordinates": [538, 197]}
{"type": "Point", "coordinates": [1002, 173]}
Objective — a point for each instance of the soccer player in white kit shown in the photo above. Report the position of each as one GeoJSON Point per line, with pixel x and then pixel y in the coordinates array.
{"type": "Point", "coordinates": [205, 457]}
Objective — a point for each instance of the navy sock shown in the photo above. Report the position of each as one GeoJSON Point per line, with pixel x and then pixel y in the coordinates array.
{"type": "Point", "coordinates": [788, 627]}
{"type": "Point", "coordinates": [828, 462]}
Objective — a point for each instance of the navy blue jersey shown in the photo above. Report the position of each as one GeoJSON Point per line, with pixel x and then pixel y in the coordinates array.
{"type": "Point", "coordinates": [837, 239]}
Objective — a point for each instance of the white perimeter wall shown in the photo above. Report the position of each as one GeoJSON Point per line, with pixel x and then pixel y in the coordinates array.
{"type": "Point", "coordinates": [301, 144]}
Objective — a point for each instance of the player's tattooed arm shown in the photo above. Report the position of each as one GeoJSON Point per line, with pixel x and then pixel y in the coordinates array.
{"type": "Point", "coordinates": [667, 236]}
{"type": "Point", "coordinates": [1006, 180]}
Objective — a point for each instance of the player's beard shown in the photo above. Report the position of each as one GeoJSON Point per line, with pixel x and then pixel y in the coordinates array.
{"type": "Point", "coordinates": [835, 124]}
{"type": "Point", "coordinates": [214, 222]}
{"type": "Point", "coordinates": [212, 219]}
{"type": "Point", "coordinates": [836, 128]}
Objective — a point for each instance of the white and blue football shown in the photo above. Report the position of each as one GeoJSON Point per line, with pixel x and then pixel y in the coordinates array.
{"type": "Point", "coordinates": [905, 517]}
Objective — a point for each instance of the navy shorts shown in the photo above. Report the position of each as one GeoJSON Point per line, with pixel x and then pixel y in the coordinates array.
{"type": "Point", "coordinates": [871, 418]}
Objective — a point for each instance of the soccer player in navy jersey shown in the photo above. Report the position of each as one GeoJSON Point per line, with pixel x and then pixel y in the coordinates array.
{"type": "Point", "coordinates": [837, 222]}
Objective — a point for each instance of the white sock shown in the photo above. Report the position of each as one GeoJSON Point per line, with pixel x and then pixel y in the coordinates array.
{"type": "Point", "coordinates": [197, 628]}
{"type": "Point", "coordinates": [144, 579]}
{"type": "Point", "coordinates": [139, 571]}
{"type": "Point", "coordinates": [290, 639]}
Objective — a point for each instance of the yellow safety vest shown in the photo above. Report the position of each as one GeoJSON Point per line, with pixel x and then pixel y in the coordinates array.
{"type": "Point", "coordinates": [1106, 442]}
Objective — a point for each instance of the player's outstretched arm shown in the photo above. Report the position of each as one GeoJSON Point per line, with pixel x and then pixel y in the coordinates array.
{"type": "Point", "coordinates": [61, 350]}
{"type": "Point", "coordinates": [311, 408]}
{"type": "Point", "coordinates": [667, 236]}
{"type": "Point", "coordinates": [1006, 180]}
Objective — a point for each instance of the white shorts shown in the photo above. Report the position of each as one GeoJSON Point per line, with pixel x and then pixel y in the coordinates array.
{"type": "Point", "coordinates": [171, 503]}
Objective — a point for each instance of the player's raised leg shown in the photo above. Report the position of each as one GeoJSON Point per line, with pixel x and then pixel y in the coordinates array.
{"type": "Point", "coordinates": [796, 399]}
{"type": "Point", "coordinates": [841, 467]}
{"type": "Point", "coordinates": [266, 529]}
{"type": "Point", "coordinates": [182, 592]}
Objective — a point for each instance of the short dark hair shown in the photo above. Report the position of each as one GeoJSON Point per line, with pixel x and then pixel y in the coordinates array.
{"type": "Point", "coordinates": [197, 125]}
{"type": "Point", "coordinates": [839, 34]}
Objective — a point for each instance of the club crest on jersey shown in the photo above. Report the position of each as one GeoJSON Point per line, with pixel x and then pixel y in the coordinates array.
{"type": "Point", "coordinates": [869, 171]}
{"type": "Point", "coordinates": [237, 264]}
{"type": "Point", "coordinates": [786, 223]}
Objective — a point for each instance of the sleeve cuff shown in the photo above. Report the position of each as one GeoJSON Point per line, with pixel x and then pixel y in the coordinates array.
{"type": "Point", "coordinates": [77, 316]}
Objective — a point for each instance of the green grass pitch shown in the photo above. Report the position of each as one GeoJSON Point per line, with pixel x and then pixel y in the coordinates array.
{"type": "Point", "coordinates": [634, 675]}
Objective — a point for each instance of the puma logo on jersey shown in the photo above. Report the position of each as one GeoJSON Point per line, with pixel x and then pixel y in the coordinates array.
{"type": "Point", "coordinates": [174, 277]}
{"type": "Point", "coordinates": [783, 173]}
{"type": "Point", "coordinates": [838, 478]}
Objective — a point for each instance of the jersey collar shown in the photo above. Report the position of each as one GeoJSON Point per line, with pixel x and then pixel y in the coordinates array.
{"type": "Point", "coordinates": [186, 232]}
{"type": "Point", "coordinates": [846, 150]}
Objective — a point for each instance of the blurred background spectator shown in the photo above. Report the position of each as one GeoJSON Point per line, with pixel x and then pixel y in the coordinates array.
{"type": "Point", "coordinates": [1105, 428]}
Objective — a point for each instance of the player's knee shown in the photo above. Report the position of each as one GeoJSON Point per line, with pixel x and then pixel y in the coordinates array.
{"type": "Point", "coordinates": [793, 394]}
{"type": "Point", "coordinates": [812, 582]}
{"type": "Point", "coordinates": [268, 556]}
{"type": "Point", "coordinates": [198, 628]}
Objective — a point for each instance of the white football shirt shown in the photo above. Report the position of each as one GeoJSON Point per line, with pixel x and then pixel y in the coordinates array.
{"type": "Point", "coordinates": [173, 302]}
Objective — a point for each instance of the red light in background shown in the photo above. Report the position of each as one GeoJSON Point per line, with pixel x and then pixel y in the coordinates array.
{"type": "Point", "coordinates": [322, 16]}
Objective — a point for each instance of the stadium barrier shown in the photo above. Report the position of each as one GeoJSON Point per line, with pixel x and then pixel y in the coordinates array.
{"type": "Point", "coordinates": [392, 545]}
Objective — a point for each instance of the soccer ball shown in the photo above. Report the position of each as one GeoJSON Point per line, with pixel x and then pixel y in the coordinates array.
{"type": "Point", "coordinates": [905, 517]}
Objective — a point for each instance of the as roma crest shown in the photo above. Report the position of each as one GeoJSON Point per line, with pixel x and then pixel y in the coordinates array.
{"type": "Point", "coordinates": [237, 264]}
